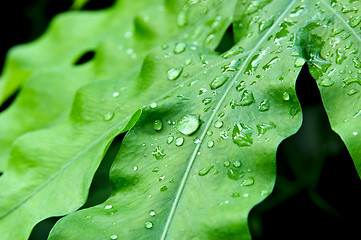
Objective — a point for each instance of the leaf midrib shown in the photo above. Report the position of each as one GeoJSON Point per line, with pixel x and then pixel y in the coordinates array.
{"type": "Point", "coordinates": [209, 122]}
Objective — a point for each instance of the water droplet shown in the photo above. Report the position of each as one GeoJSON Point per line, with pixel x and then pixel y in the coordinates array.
{"type": "Point", "coordinates": [161, 178]}
{"type": "Point", "coordinates": [218, 124]}
{"type": "Point", "coordinates": [158, 153]}
{"type": "Point", "coordinates": [232, 66]}
{"type": "Point", "coordinates": [242, 135]}
{"type": "Point", "coordinates": [218, 81]}
{"type": "Point", "coordinates": [352, 92]}
{"type": "Point", "coordinates": [108, 206]}
{"type": "Point", "coordinates": [174, 73]}
{"type": "Point", "coordinates": [205, 171]}
{"type": "Point", "coordinates": [245, 195]}
{"type": "Point", "coordinates": [152, 213]}
{"type": "Point", "coordinates": [148, 225]}
{"type": "Point", "coordinates": [163, 188]}
{"type": "Point", "coordinates": [135, 168]}
{"type": "Point", "coordinates": [207, 100]}
{"type": "Point", "coordinates": [170, 139]}
{"type": "Point", "coordinates": [246, 98]}
{"type": "Point", "coordinates": [153, 105]}
{"type": "Point", "coordinates": [115, 94]}
{"type": "Point", "coordinates": [248, 182]}
{"type": "Point", "coordinates": [268, 65]}
{"type": "Point", "coordinates": [113, 237]}
{"type": "Point", "coordinates": [327, 82]}
{"type": "Point", "coordinates": [157, 125]}
{"type": "Point", "coordinates": [356, 62]}
{"type": "Point", "coordinates": [179, 48]}
{"type": "Point", "coordinates": [156, 169]}
{"type": "Point", "coordinates": [188, 61]}
{"type": "Point", "coordinates": [210, 143]}
{"type": "Point", "coordinates": [355, 133]}
{"type": "Point", "coordinates": [241, 86]}
{"type": "Point", "coordinates": [235, 174]}
{"type": "Point", "coordinates": [235, 195]}
{"type": "Point", "coordinates": [286, 96]}
{"type": "Point", "coordinates": [299, 62]}
{"type": "Point", "coordinates": [188, 124]}
{"type": "Point", "coordinates": [264, 127]}
{"type": "Point", "coordinates": [264, 105]}
{"type": "Point", "coordinates": [108, 116]}
{"type": "Point", "coordinates": [209, 133]}
{"type": "Point", "coordinates": [237, 164]}
{"type": "Point", "coordinates": [201, 91]}
{"type": "Point", "coordinates": [179, 141]}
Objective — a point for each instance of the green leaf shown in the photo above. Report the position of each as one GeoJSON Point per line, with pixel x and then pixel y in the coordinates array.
{"type": "Point", "coordinates": [131, 31]}
{"type": "Point", "coordinates": [214, 157]}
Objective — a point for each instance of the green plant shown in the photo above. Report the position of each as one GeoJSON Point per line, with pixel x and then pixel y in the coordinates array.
{"type": "Point", "coordinates": [202, 127]}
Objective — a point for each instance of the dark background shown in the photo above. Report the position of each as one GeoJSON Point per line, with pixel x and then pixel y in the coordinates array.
{"type": "Point", "coordinates": [317, 191]}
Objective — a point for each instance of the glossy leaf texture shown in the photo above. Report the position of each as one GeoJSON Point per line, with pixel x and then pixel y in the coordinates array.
{"type": "Point", "coordinates": [204, 153]}
{"type": "Point", "coordinates": [120, 36]}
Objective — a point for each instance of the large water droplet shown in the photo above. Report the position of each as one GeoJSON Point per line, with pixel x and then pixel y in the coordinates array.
{"type": "Point", "coordinates": [242, 135]}
{"type": "Point", "coordinates": [218, 81]}
{"type": "Point", "coordinates": [158, 153]}
{"type": "Point", "coordinates": [170, 139]}
{"type": "Point", "coordinates": [108, 116]}
{"type": "Point", "coordinates": [188, 124]}
{"type": "Point", "coordinates": [153, 105]}
{"type": "Point", "coordinates": [157, 125]}
{"type": "Point", "coordinates": [148, 225]}
{"type": "Point", "coordinates": [299, 62]}
{"type": "Point", "coordinates": [205, 171]}
{"type": "Point", "coordinates": [179, 48]}
{"type": "Point", "coordinates": [174, 73]}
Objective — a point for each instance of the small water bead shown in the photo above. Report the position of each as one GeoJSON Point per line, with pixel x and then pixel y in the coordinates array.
{"type": "Point", "coordinates": [108, 116]}
{"type": "Point", "coordinates": [224, 135]}
{"type": "Point", "coordinates": [241, 85]}
{"type": "Point", "coordinates": [247, 98]}
{"type": "Point", "coordinates": [148, 225]}
{"type": "Point", "coordinates": [157, 125]}
{"type": "Point", "coordinates": [237, 164]}
{"type": "Point", "coordinates": [352, 92]}
{"type": "Point", "coordinates": [163, 188]}
{"type": "Point", "coordinates": [174, 73]}
{"type": "Point", "coordinates": [115, 94]}
{"type": "Point", "coordinates": [153, 105]}
{"type": "Point", "coordinates": [209, 133]}
{"type": "Point", "coordinates": [170, 139]}
{"type": "Point", "coordinates": [188, 124]}
{"type": "Point", "coordinates": [264, 105]}
{"type": "Point", "coordinates": [179, 141]}
{"type": "Point", "coordinates": [113, 237]}
{"type": "Point", "coordinates": [210, 143]}
{"type": "Point", "coordinates": [227, 163]}
{"type": "Point", "coordinates": [218, 82]}
{"type": "Point", "coordinates": [188, 61]}
{"type": "Point", "coordinates": [201, 91]}
{"type": "Point", "coordinates": [135, 168]}
{"type": "Point", "coordinates": [286, 96]}
{"type": "Point", "coordinates": [158, 153]}
{"type": "Point", "coordinates": [356, 62]}
{"type": "Point", "coordinates": [242, 135]}
{"type": "Point", "coordinates": [235, 195]}
{"type": "Point", "coordinates": [205, 171]}
{"type": "Point", "coordinates": [355, 133]}
{"type": "Point", "coordinates": [196, 140]}
{"type": "Point", "coordinates": [327, 82]}
{"type": "Point", "coordinates": [152, 213]}
{"type": "Point", "coordinates": [232, 66]}
{"type": "Point", "coordinates": [235, 174]}
{"type": "Point", "coordinates": [179, 48]}
{"type": "Point", "coordinates": [218, 124]}
{"type": "Point", "coordinates": [156, 169]}
{"type": "Point", "coordinates": [161, 178]}
{"type": "Point", "coordinates": [264, 127]}
{"type": "Point", "coordinates": [108, 206]}
{"type": "Point", "coordinates": [207, 100]}
{"type": "Point", "coordinates": [248, 182]}
{"type": "Point", "coordinates": [299, 62]}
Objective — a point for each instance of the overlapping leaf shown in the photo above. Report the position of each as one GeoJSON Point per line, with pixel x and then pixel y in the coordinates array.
{"type": "Point", "coordinates": [35, 160]}
{"type": "Point", "coordinates": [120, 37]}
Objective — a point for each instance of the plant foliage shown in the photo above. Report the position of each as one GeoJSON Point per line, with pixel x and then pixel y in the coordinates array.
{"type": "Point", "coordinates": [203, 127]}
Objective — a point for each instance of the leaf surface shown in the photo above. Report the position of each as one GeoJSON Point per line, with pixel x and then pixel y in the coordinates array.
{"type": "Point", "coordinates": [198, 174]}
